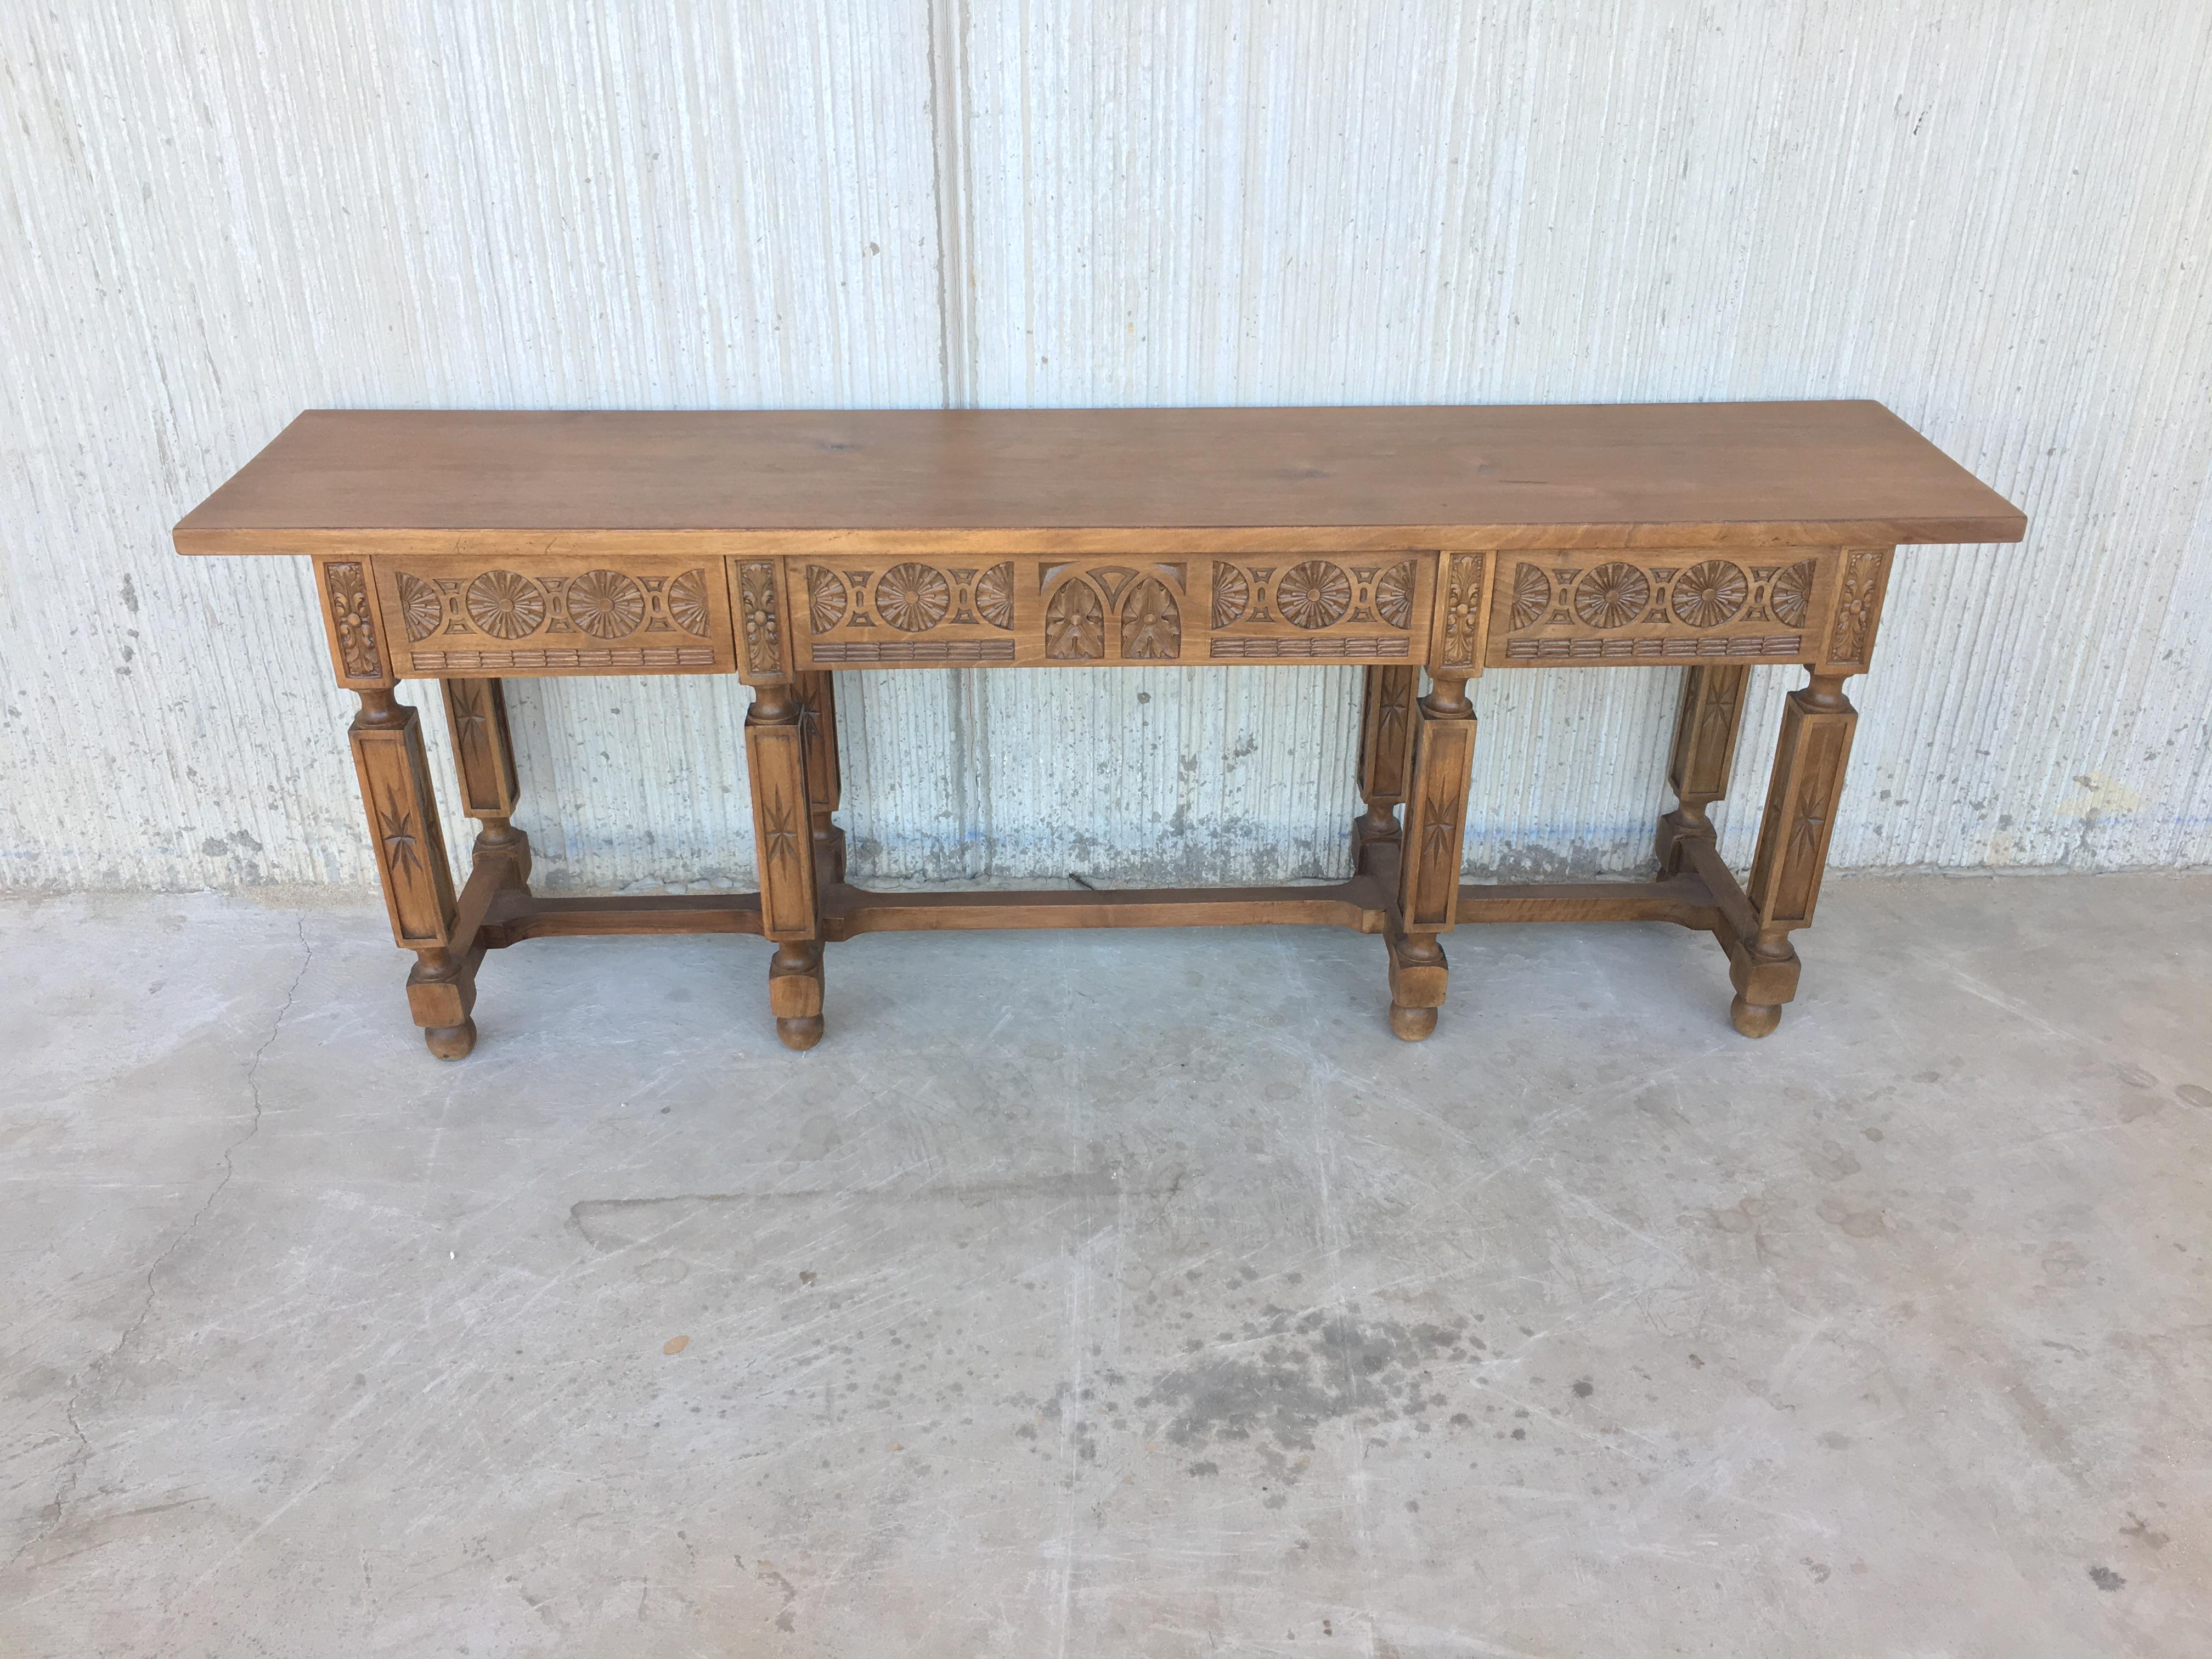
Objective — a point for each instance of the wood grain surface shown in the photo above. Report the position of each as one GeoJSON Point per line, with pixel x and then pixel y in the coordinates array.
{"type": "Point", "coordinates": [1648, 475]}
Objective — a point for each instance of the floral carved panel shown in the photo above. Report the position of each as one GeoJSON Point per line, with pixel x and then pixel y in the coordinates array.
{"type": "Point", "coordinates": [353, 623]}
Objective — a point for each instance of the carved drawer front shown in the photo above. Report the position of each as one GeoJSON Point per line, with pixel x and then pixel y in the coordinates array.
{"type": "Point", "coordinates": [553, 614]}
{"type": "Point", "coordinates": [1680, 606]}
{"type": "Point", "coordinates": [1043, 609]}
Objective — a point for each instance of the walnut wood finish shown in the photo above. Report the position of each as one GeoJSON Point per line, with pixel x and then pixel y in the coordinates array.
{"type": "Point", "coordinates": [817, 731]}
{"type": "Point", "coordinates": [483, 757]}
{"type": "Point", "coordinates": [1817, 723]}
{"type": "Point", "coordinates": [1428, 858]}
{"type": "Point", "coordinates": [1704, 749]}
{"type": "Point", "coordinates": [409, 845]}
{"type": "Point", "coordinates": [1387, 717]}
{"type": "Point", "coordinates": [501, 482]}
{"type": "Point", "coordinates": [783, 830]}
{"type": "Point", "coordinates": [781, 547]}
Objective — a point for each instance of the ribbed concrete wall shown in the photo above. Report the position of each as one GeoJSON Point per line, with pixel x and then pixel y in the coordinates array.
{"type": "Point", "coordinates": [1995, 217]}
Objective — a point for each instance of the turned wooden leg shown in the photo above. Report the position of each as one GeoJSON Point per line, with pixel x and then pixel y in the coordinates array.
{"type": "Point", "coordinates": [410, 859]}
{"type": "Point", "coordinates": [783, 828]}
{"type": "Point", "coordinates": [817, 728]}
{"type": "Point", "coordinates": [1428, 867]}
{"type": "Point", "coordinates": [1817, 723]}
{"type": "Point", "coordinates": [1386, 751]}
{"type": "Point", "coordinates": [483, 755]}
{"type": "Point", "coordinates": [1704, 747]}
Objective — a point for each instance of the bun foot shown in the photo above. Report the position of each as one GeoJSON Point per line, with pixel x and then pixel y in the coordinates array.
{"type": "Point", "coordinates": [451, 1042]}
{"type": "Point", "coordinates": [801, 1032]}
{"type": "Point", "coordinates": [1754, 1020]}
{"type": "Point", "coordinates": [1411, 1023]}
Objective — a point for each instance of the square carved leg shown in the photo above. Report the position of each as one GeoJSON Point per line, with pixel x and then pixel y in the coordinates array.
{"type": "Point", "coordinates": [1705, 748]}
{"type": "Point", "coordinates": [387, 737]}
{"type": "Point", "coordinates": [817, 728]}
{"type": "Point", "coordinates": [1430, 856]}
{"type": "Point", "coordinates": [483, 756]}
{"type": "Point", "coordinates": [784, 833]}
{"type": "Point", "coordinates": [1386, 751]}
{"type": "Point", "coordinates": [1817, 724]}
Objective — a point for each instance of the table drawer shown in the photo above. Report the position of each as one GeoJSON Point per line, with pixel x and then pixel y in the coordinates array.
{"type": "Point", "coordinates": [1681, 605]}
{"type": "Point", "coordinates": [555, 614]}
{"type": "Point", "coordinates": [1042, 610]}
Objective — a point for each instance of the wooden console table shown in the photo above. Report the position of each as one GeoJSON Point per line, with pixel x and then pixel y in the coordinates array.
{"type": "Point", "coordinates": [470, 547]}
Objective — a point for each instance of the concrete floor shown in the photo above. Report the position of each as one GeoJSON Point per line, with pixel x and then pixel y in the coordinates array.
{"type": "Point", "coordinates": [1113, 1294]}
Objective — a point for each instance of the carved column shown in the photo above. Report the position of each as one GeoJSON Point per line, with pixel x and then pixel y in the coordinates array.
{"type": "Point", "coordinates": [483, 755]}
{"type": "Point", "coordinates": [1704, 747]}
{"type": "Point", "coordinates": [817, 726]}
{"type": "Point", "coordinates": [783, 828]}
{"type": "Point", "coordinates": [1428, 869]}
{"type": "Point", "coordinates": [1386, 750]}
{"type": "Point", "coordinates": [411, 859]}
{"type": "Point", "coordinates": [1817, 723]}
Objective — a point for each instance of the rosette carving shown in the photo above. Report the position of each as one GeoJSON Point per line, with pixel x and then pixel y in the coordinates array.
{"type": "Point", "coordinates": [1232, 594]}
{"type": "Point", "coordinates": [505, 605]}
{"type": "Point", "coordinates": [1393, 595]}
{"type": "Point", "coordinates": [1612, 596]}
{"type": "Point", "coordinates": [1706, 595]}
{"type": "Point", "coordinates": [825, 598]}
{"type": "Point", "coordinates": [605, 604]}
{"type": "Point", "coordinates": [1791, 598]}
{"type": "Point", "coordinates": [687, 601]}
{"type": "Point", "coordinates": [1314, 594]}
{"type": "Point", "coordinates": [913, 597]}
{"type": "Point", "coordinates": [994, 596]}
{"type": "Point", "coordinates": [1532, 596]}
{"type": "Point", "coordinates": [420, 607]}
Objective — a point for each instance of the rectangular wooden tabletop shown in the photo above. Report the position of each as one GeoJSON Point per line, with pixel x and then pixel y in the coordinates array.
{"type": "Point", "coordinates": [1591, 475]}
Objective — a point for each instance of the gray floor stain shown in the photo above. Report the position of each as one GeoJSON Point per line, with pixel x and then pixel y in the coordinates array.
{"type": "Point", "coordinates": [1286, 1374]}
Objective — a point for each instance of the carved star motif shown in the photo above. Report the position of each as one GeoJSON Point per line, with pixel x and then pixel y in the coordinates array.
{"type": "Point", "coordinates": [469, 715]}
{"type": "Point", "coordinates": [397, 830]}
{"type": "Point", "coordinates": [1440, 834]}
{"type": "Point", "coordinates": [1810, 821]}
{"type": "Point", "coordinates": [782, 840]}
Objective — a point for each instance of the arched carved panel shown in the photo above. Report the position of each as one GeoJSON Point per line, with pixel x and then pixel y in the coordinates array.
{"type": "Point", "coordinates": [1151, 627]}
{"type": "Point", "coordinates": [1074, 623]}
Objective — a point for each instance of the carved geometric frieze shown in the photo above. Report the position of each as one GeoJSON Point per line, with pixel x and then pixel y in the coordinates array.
{"type": "Point", "coordinates": [1367, 607]}
{"type": "Point", "coordinates": [1336, 647]}
{"type": "Point", "coordinates": [1683, 606]}
{"type": "Point", "coordinates": [1676, 649]}
{"type": "Point", "coordinates": [560, 615]}
{"type": "Point", "coordinates": [890, 610]}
